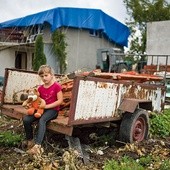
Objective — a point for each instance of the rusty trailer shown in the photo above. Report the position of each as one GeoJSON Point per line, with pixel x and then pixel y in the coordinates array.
{"type": "Point", "coordinates": [95, 99]}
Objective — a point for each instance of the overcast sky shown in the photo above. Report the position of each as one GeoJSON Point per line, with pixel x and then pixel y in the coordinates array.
{"type": "Point", "coordinates": [10, 9]}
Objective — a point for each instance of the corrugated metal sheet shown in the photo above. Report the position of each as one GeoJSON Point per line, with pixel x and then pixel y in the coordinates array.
{"type": "Point", "coordinates": [102, 99]}
{"type": "Point", "coordinates": [96, 99]}
{"type": "Point", "coordinates": [17, 83]}
{"type": "Point", "coordinates": [155, 94]}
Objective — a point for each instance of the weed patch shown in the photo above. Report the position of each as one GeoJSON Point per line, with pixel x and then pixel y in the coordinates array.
{"type": "Point", "coordinates": [159, 124]}
{"type": "Point", "coordinates": [9, 138]}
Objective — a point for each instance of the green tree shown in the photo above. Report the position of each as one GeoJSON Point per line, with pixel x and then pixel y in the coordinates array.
{"type": "Point", "coordinates": [59, 48]}
{"type": "Point", "coordinates": [140, 12]}
{"type": "Point", "coordinates": [39, 56]}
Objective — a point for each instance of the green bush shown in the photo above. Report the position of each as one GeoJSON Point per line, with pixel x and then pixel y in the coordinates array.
{"type": "Point", "coordinates": [39, 56]}
{"type": "Point", "coordinates": [148, 162]}
{"type": "Point", "coordinates": [165, 165]}
{"type": "Point", "coordinates": [59, 49]}
{"type": "Point", "coordinates": [160, 124]}
{"type": "Point", "coordinates": [145, 161]}
{"type": "Point", "coordinates": [125, 163]}
{"type": "Point", "coordinates": [8, 138]}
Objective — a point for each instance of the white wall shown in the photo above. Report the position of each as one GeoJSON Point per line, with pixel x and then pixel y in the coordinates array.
{"type": "Point", "coordinates": [158, 39]}
{"type": "Point", "coordinates": [82, 49]}
{"type": "Point", "coordinates": [51, 58]}
{"type": "Point", "coordinates": [7, 59]}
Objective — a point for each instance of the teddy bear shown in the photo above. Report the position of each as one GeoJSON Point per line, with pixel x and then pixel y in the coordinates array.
{"type": "Point", "coordinates": [34, 103]}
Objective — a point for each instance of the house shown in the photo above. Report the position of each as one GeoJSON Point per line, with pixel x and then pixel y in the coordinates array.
{"type": "Point", "coordinates": [86, 31]}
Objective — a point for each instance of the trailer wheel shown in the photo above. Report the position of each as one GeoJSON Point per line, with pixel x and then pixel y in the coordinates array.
{"type": "Point", "coordinates": [134, 127]}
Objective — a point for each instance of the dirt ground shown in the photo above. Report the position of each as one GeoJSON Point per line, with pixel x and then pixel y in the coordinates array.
{"type": "Point", "coordinates": [57, 154]}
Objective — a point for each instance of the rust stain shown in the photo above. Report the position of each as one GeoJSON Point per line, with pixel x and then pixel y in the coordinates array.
{"type": "Point", "coordinates": [103, 85]}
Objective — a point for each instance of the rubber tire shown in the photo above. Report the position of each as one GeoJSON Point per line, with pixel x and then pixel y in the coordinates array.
{"type": "Point", "coordinates": [133, 122]}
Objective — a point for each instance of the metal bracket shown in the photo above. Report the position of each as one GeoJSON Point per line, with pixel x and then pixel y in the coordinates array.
{"type": "Point", "coordinates": [74, 143]}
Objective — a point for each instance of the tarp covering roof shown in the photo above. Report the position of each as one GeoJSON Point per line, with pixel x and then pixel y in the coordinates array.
{"type": "Point", "coordinates": [77, 18]}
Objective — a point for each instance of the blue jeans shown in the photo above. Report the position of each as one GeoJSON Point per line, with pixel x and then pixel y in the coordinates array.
{"type": "Point", "coordinates": [28, 120]}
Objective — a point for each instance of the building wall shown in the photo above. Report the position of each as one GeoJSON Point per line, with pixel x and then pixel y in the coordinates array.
{"type": "Point", "coordinates": [7, 58]}
{"type": "Point", "coordinates": [158, 40]}
{"type": "Point", "coordinates": [81, 50]}
{"type": "Point", "coordinates": [51, 58]}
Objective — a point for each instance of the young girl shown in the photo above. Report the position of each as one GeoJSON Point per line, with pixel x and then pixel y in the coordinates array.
{"type": "Point", "coordinates": [51, 92]}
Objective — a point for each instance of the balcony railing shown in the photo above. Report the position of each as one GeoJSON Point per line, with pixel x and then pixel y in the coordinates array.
{"type": "Point", "coordinates": [16, 36]}
{"type": "Point", "coordinates": [11, 35]}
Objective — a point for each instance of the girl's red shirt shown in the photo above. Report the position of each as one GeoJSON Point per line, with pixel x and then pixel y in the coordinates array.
{"type": "Point", "coordinates": [50, 94]}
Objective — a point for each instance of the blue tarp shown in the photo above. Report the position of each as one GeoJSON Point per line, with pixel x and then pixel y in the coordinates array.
{"type": "Point", "coordinates": [83, 18]}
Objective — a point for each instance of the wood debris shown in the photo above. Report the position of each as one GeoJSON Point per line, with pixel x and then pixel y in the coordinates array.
{"type": "Point", "coordinates": [67, 87]}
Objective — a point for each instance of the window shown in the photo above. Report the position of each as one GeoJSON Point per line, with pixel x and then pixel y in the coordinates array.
{"type": "Point", "coordinates": [96, 33]}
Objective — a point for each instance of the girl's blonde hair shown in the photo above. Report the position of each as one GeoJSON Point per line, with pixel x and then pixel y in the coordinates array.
{"type": "Point", "coordinates": [45, 69]}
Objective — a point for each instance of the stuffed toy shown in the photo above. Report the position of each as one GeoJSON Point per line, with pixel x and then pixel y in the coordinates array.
{"type": "Point", "coordinates": [34, 103]}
